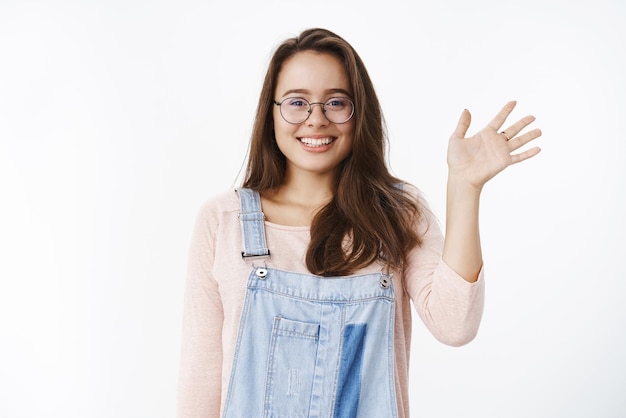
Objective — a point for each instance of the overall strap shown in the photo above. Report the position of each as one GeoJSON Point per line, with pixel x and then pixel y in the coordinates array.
{"type": "Point", "coordinates": [252, 220]}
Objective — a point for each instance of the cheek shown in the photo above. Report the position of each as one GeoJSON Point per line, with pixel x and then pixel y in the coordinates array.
{"type": "Point", "coordinates": [279, 122]}
{"type": "Point", "coordinates": [348, 130]}
{"type": "Point", "coordinates": [282, 128]}
{"type": "Point", "coordinates": [282, 133]}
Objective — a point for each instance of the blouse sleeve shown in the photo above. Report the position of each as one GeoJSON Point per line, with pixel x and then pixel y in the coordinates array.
{"type": "Point", "coordinates": [199, 383]}
{"type": "Point", "coordinates": [450, 307]}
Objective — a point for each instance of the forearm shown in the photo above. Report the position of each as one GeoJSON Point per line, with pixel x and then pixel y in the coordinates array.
{"type": "Point", "coordinates": [461, 250]}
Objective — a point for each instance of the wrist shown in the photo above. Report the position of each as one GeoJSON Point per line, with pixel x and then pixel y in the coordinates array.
{"type": "Point", "coordinates": [460, 186]}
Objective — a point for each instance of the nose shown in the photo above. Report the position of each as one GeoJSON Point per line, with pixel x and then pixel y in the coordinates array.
{"type": "Point", "coordinates": [316, 116]}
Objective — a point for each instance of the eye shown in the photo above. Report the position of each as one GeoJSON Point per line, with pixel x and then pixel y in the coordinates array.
{"type": "Point", "coordinates": [296, 102]}
{"type": "Point", "coordinates": [337, 103]}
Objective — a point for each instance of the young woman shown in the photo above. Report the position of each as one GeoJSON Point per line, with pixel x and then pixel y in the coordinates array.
{"type": "Point", "coordinates": [300, 282]}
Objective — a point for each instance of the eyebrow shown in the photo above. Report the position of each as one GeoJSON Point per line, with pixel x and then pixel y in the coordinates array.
{"type": "Point", "coordinates": [307, 92]}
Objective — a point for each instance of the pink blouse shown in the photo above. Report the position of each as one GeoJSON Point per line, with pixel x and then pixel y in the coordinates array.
{"type": "Point", "coordinates": [450, 307]}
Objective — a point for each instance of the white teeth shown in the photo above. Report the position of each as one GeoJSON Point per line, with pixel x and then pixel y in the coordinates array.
{"type": "Point", "coordinates": [316, 142]}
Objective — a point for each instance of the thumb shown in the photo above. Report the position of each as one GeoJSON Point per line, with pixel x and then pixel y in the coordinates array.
{"type": "Point", "coordinates": [463, 124]}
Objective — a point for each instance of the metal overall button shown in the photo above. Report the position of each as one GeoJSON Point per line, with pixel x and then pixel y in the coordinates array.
{"type": "Point", "coordinates": [261, 272]}
{"type": "Point", "coordinates": [384, 282]}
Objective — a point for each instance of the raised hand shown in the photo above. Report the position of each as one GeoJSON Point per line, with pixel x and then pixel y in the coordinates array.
{"type": "Point", "coordinates": [479, 158]}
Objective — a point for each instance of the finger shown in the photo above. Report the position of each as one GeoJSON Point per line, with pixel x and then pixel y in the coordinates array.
{"type": "Point", "coordinates": [517, 127]}
{"type": "Point", "coordinates": [518, 158]}
{"type": "Point", "coordinates": [497, 122]}
{"type": "Point", "coordinates": [522, 140]}
{"type": "Point", "coordinates": [463, 124]}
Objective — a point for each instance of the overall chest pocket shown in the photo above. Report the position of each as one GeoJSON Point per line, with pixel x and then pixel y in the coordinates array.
{"type": "Point", "coordinates": [291, 366]}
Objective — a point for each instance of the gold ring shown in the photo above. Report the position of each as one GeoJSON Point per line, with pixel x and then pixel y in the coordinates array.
{"type": "Point", "coordinates": [505, 135]}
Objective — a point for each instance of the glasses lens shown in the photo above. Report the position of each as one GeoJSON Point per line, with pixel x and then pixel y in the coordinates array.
{"type": "Point", "coordinates": [339, 109]}
{"type": "Point", "coordinates": [295, 110]}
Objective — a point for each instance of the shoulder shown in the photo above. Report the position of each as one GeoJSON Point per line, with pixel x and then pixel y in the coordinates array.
{"type": "Point", "coordinates": [217, 206]}
{"type": "Point", "coordinates": [415, 194]}
{"type": "Point", "coordinates": [226, 201]}
{"type": "Point", "coordinates": [426, 217]}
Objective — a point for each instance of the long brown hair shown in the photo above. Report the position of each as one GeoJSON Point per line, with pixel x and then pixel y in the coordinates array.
{"type": "Point", "coordinates": [368, 208]}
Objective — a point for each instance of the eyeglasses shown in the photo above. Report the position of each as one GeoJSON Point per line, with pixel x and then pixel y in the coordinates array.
{"type": "Point", "coordinates": [296, 110]}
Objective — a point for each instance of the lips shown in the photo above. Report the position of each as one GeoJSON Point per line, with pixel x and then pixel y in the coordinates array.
{"type": "Point", "coordinates": [317, 142]}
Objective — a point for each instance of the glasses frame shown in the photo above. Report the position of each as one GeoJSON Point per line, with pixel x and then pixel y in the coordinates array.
{"type": "Point", "coordinates": [279, 104]}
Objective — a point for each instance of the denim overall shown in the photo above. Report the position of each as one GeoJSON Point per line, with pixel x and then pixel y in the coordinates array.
{"type": "Point", "coordinates": [310, 346]}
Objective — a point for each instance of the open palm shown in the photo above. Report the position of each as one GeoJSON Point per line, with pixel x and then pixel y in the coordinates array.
{"type": "Point", "coordinates": [479, 158]}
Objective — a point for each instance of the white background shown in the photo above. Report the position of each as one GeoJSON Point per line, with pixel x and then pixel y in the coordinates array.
{"type": "Point", "coordinates": [119, 118]}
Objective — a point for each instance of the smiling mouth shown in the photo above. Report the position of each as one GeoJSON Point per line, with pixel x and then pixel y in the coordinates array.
{"type": "Point", "coordinates": [317, 142]}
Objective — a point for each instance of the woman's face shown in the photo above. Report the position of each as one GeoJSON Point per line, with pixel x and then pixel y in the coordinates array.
{"type": "Point", "coordinates": [315, 145]}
